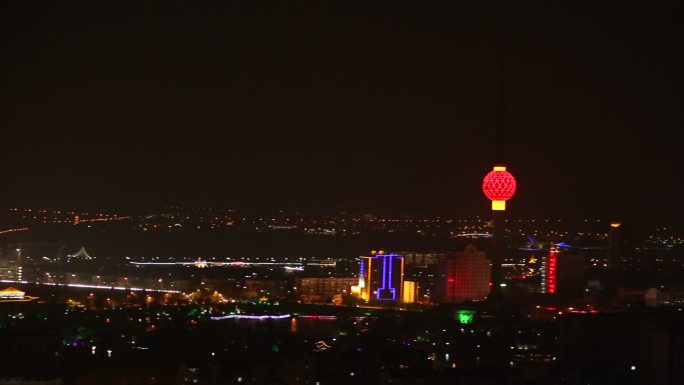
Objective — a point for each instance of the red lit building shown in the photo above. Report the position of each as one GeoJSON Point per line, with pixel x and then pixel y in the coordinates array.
{"type": "Point", "coordinates": [549, 272]}
{"type": "Point", "coordinates": [463, 276]}
{"type": "Point", "coordinates": [562, 272]}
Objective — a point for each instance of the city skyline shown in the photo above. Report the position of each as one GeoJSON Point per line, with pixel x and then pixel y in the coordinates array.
{"type": "Point", "coordinates": [323, 108]}
{"type": "Point", "coordinates": [311, 193]}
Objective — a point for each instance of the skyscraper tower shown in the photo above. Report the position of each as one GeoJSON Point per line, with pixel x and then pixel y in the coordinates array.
{"type": "Point", "coordinates": [498, 185]}
{"type": "Point", "coordinates": [614, 245]}
{"type": "Point", "coordinates": [381, 277]}
{"type": "Point", "coordinates": [549, 271]}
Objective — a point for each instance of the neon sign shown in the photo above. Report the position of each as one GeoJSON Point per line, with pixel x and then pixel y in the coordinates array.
{"type": "Point", "coordinates": [465, 316]}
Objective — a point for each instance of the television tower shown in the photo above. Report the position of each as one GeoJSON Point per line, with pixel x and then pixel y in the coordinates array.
{"type": "Point", "coordinates": [498, 185]}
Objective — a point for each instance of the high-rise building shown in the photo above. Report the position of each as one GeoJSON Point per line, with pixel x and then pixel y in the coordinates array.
{"type": "Point", "coordinates": [463, 276]}
{"type": "Point", "coordinates": [381, 277]}
{"type": "Point", "coordinates": [549, 272]}
{"type": "Point", "coordinates": [11, 267]}
{"type": "Point", "coordinates": [614, 245]}
{"type": "Point", "coordinates": [562, 271]}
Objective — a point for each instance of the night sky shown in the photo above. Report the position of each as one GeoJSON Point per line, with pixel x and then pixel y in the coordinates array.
{"type": "Point", "coordinates": [362, 106]}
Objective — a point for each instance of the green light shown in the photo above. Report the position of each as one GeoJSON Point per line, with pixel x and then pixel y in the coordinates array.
{"type": "Point", "coordinates": [465, 316]}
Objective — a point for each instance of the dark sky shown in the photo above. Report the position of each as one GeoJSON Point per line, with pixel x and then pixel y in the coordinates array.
{"type": "Point", "coordinates": [363, 106]}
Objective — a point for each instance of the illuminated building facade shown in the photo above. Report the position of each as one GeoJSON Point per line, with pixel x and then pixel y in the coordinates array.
{"type": "Point", "coordinates": [381, 277]}
{"type": "Point", "coordinates": [11, 266]}
{"type": "Point", "coordinates": [421, 259]}
{"type": "Point", "coordinates": [410, 292]}
{"type": "Point", "coordinates": [463, 276]}
{"type": "Point", "coordinates": [323, 289]}
{"type": "Point", "coordinates": [549, 277]}
{"type": "Point", "coordinates": [11, 294]}
{"type": "Point", "coordinates": [562, 272]}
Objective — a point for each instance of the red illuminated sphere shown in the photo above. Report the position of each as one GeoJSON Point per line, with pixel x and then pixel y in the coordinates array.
{"type": "Point", "coordinates": [499, 185]}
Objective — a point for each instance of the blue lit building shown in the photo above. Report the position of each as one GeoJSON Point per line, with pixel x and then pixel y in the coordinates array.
{"type": "Point", "coordinates": [381, 277]}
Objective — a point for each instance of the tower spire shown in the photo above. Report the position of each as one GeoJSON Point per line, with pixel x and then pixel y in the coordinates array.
{"type": "Point", "coordinates": [499, 156]}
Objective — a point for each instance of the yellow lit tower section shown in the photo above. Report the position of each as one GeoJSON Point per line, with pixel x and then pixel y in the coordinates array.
{"type": "Point", "coordinates": [363, 289]}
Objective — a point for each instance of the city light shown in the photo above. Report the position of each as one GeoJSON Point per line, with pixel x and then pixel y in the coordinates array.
{"type": "Point", "coordinates": [103, 287]}
{"type": "Point", "coordinates": [247, 316]}
{"type": "Point", "coordinates": [319, 317]}
{"type": "Point", "coordinates": [465, 316]}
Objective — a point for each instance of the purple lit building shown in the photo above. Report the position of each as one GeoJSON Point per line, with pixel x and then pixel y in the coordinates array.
{"type": "Point", "coordinates": [381, 277]}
